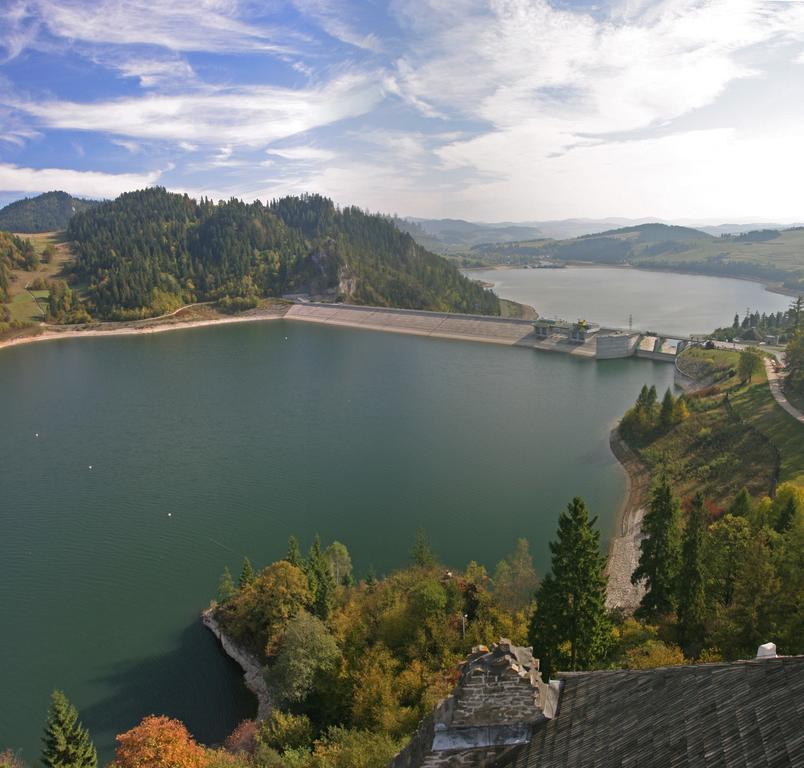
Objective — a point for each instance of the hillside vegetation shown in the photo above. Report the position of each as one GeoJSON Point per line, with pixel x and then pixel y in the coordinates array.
{"type": "Point", "coordinates": [43, 213]}
{"type": "Point", "coordinates": [150, 251]}
{"type": "Point", "coordinates": [769, 255]}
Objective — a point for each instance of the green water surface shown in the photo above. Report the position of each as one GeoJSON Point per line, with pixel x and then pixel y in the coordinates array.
{"type": "Point", "coordinates": [214, 443]}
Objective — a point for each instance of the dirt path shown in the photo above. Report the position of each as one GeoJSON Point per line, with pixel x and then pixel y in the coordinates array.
{"type": "Point", "coordinates": [775, 384]}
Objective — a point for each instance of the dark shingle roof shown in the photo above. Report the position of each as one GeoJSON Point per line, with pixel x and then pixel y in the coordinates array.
{"type": "Point", "coordinates": [745, 714]}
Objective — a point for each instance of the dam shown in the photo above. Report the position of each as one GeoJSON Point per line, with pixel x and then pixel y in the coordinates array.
{"type": "Point", "coordinates": [583, 340]}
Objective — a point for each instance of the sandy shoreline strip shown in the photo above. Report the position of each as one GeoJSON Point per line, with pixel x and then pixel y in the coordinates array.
{"type": "Point", "coordinates": [54, 333]}
{"type": "Point", "coordinates": [624, 548]}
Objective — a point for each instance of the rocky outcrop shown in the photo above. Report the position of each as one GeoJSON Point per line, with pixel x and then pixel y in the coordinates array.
{"type": "Point", "coordinates": [252, 668]}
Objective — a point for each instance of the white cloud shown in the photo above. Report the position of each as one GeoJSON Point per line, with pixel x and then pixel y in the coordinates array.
{"type": "Point", "coordinates": [301, 154]}
{"type": "Point", "coordinates": [330, 15]}
{"type": "Point", "coordinates": [178, 25]}
{"type": "Point", "coordinates": [14, 178]}
{"type": "Point", "coordinates": [238, 116]}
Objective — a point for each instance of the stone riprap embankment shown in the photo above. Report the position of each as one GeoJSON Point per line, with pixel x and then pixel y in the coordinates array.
{"type": "Point", "coordinates": [252, 669]}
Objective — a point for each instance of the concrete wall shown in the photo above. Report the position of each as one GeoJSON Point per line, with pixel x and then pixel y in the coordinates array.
{"type": "Point", "coordinates": [615, 345]}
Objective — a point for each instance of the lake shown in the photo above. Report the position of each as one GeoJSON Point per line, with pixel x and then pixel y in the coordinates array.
{"type": "Point", "coordinates": [665, 302]}
{"type": "Point", "coordinates": [209, 444]}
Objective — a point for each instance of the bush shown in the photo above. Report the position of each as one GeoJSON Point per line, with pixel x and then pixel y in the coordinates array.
{"type": "Point", "coordinates": [283, 730]}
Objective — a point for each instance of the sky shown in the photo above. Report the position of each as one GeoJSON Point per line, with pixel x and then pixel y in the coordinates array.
{"type": "Point", "coordinates": [488, 110]}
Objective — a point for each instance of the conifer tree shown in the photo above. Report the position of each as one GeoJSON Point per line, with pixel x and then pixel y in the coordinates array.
{"type": "Point", "coordinates": [660, 552]}
{"type": "Point", "coordinates": [570, 628]}
{"type": "Point", "coordinates": [786, 515]}
{"type": "Point", "coordinates": [690, 593]}
{"type": "Point", "coordinates": [422, 554]}
{"type": "Point", "coordinates": [226, 586]}
{"type": "Point", "coordinates": [246, 574]}
{"type": "Point", "coordinates": [66, 741]}
{"type": "Point", "coordinates": [742, 506]}
{"type": "Point", "coordinates": [320, 580]}
{"type": "Point", "coordinates": [294, 555]}
{"type": "Point", "coordinates": [667, 413]}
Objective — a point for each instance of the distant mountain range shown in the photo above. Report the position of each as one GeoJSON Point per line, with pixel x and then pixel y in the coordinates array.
{"type": "Point", "coordinates": [43, 213]}
{"type": "Point", "coordinates": [456, 235]}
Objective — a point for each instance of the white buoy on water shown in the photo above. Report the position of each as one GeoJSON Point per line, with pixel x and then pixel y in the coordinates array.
{"type": "Point", "coordinates": [36, 434]}
{"type": "Point", "coordinates": [170, 514]}
{"type": "Point", "coordinates": [90, 466]}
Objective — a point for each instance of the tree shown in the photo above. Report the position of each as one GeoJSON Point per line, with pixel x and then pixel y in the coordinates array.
{"type": "Point", "coordinates": [339, 562]}
{"type": "Point", "coordinates": [515, 579]}
{"type": "Point", "coordinates": [66, 741]}
{"type": "Point", "coordinates": [742, 506]}
{"type": "Point", "coordinates": [9, 759]}
{"type": "Point", "coordinates": [659, 552]}
{"type": "Point", "coordinates": [349, 748]}
{"type": "Point", "coordinates": [284, 730]}
{"type": "Point", "coordinates": [570, 628]}
{"type": "Point", "coordinates": [724, 549]}
{"type": "Point", "coordinates": [246, 574]}
{"type": "Point", "coordinates": [158, 742]}
{"type": "Point", "coordinates": [794, 360]}
{"type": "Point", "coordinates": [421, 554]}
{"type": "Point", "coordinates": [750, 362]}
{"type": "Point", "coordinates": [322, 585]}
{"type": "Point", "coordinates": [667, 413]}
{"type": "Point", "coordinates": [307, 649]}
{"type": "Point", "coordinates": [226, 586]}
{"type": "Point", "coordinates": [48, 253]}
{"type": "Point", "coordinates": [294, 555]}
{"type": "Point", "coordinates": [690, 594]}
{"type": "Point", "coordinates": [258, 613]}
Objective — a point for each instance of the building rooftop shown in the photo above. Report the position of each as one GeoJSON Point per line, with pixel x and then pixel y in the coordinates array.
{"type": "Point", "coordinates": [742, 714]}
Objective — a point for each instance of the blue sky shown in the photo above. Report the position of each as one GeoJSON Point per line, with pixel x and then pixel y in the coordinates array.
{"type": "Point", "coordinates": [488, 110]}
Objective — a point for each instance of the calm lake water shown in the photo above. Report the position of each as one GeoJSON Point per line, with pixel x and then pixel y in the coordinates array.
{"type": "Point", "coordinates": [247, 434]}
{"type": "Point", "coordinates": [660, 301]}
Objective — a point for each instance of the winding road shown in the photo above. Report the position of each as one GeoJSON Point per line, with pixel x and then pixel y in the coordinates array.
{"type": "Point", "coordinates": [774, 381]}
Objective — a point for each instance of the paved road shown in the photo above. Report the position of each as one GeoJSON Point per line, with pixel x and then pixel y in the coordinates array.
{"type": "Point", "coordinates": [776, 390]}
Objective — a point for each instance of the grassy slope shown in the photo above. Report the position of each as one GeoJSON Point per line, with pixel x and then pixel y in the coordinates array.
{"type": "Point", "coordinates": [716, 451]}
{"type": "Point", "coordinates": [22, 306]}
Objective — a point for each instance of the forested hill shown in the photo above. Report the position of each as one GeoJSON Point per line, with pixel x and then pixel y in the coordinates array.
{"type": "Point", "coordinates": [150, 251]}
{"type": "Point", "coordinates": [43, 213]}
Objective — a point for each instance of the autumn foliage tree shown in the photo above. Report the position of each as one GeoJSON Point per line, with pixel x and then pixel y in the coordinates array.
{"type": "Point", "coordinates": [159, 742]}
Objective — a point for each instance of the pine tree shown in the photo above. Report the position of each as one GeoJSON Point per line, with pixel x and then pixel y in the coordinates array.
{"type": "Point", "coordinates": [786, 515]}
{"type": "Point", "coordinates": [422, 554]}
{"type": "Point", "coordinates": [320, 580]}
{"type": "Point", "coordinates": [226, 586]}
{"type": "Point", "coordinates": [246, 574]}
{"type": "Point", "coordinates": [742, 506]}
{"type": "Point", "coordinates": [570, 628]}
{"type": "Point", "coordinates": [690, 594]}
{"type": "Point", "coordinates": [668, 411]}
{"type": "Point", "coordinates": [660, 551]}
{"type": "Point", "coordinates": [294, 555]}
{"type": "Point", "coordinates": [66, 741]}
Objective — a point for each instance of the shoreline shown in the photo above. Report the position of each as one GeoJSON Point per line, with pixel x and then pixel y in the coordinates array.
{"type": "Point", "coordinates": [252, 669]}
{"type": "Point", "coordinates": [46, 332]}
{"type": "Point", "coordinates": [624, 547]}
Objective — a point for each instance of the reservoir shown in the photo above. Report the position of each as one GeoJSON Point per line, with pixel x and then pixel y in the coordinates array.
{"type": "Point", "coordinates": [209, 444]}
{"type": "Point", "coordinates": [665, 302]}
